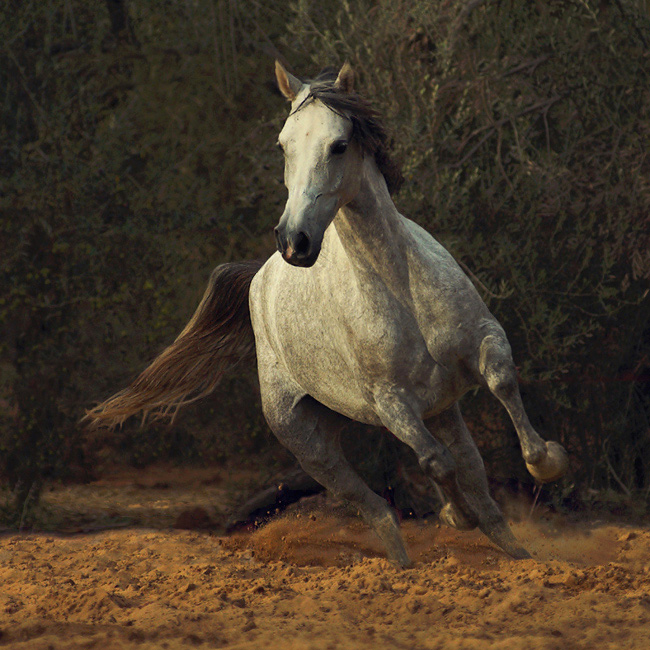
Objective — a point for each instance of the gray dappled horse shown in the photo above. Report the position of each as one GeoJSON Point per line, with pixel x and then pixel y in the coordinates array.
{"type": "Point", "coordinates": [362, 315]}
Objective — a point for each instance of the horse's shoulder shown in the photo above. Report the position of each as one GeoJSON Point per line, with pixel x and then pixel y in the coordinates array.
{"type": "Point", "coordinates": [258, 297]}
{"type": "Point", "coordinates": [444, 296]}
{"type": "Point", "coordinates": [261, 278]}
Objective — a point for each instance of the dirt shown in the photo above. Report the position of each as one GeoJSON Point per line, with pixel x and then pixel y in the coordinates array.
{"type": "Point", "coordinates": [313, 578]}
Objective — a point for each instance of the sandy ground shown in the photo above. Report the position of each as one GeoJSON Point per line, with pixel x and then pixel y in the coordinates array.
{"type": "Point", "coordinates": [316, 578]}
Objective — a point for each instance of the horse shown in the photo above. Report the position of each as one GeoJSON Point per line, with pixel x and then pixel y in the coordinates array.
{"type": "Point", "coordinates": [359, 315]}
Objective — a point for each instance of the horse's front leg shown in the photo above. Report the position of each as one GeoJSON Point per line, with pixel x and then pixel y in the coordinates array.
{"type": "Point", "coordinates": [450, 428]}
{"type": "Point", "coordinates": [546, 461]}
{"type": "Point", "coordinates": [312, 432]}
{"type": "Point", "coordinates": [402, 418]}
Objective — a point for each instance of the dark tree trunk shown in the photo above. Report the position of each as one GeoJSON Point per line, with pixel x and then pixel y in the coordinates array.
{"type": "Point", "coordinates": [121, 28]}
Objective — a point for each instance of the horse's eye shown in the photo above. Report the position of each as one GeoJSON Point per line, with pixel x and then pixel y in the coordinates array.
{"type": "Point", "coordinates": [339, 147]}
{"type": "Point", "coordinates": [279, 146]}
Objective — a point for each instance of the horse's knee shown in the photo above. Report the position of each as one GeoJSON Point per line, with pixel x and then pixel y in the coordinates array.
{"type": "Point", "coordinates": [502, 381]}
{"type": "Point", "coordinates": [316, 466]}
{"type": "Point", "coordinates": [440, 466]}
{"type": "Point", "coordinates": [497, 367]}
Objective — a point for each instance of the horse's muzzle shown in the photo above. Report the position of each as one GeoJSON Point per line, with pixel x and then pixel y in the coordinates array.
{"type": "Point", "coordinates": [297, 249]}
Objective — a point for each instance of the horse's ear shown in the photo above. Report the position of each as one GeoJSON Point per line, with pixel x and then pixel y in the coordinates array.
{"type": "Point", "coordinates": [345, 81]}
{"type": "Point", "coordinates": [288, 84]}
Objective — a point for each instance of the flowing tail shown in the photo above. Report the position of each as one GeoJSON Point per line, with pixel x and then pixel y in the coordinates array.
{"type": "Point", "coordinates": [218, 336]}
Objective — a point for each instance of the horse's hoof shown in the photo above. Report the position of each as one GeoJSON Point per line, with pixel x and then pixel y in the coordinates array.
{"type": "Point", "coordinates": [500, 534]}
{"type": "Point", "coordinates": [400, 562]}
{"type": "Point", "coordinates": [519, 553]}
{"type": "Point", "coordinates": [553, 466]}
{"type": "Point", "coordinates": [397, 555]}
{"type": "Point", "coordinates": [455, 519]}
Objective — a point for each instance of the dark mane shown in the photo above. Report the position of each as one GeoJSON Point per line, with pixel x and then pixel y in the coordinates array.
{"type": "Point", "coordinates": [367, 128]}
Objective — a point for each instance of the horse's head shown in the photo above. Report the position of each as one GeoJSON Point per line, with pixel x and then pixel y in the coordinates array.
{"type": "Point", "coordinates": [323, 159]}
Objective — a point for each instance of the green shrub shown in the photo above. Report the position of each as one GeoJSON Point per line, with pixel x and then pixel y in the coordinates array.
{"type": "Point", "coordinates": [524, 130]}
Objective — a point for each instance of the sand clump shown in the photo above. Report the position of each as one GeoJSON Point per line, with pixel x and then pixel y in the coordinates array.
{"type": "Point", "coordinates": [321, 582]}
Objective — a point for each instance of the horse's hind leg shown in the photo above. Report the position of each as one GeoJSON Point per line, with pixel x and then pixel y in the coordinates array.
{"type": "Point", "coordinates": [311, 431]}
{"type": "Point", "coordinates": [546, 461]}
{"type": "Point", "coordinates": [450, 428]}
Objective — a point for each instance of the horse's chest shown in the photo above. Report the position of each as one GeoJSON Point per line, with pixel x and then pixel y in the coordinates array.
{"type": "Point", "coordinates": [340, 342]}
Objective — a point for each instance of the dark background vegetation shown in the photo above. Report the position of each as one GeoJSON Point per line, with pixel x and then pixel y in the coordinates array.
{"type": "Point", "coordinates": [137, 153]}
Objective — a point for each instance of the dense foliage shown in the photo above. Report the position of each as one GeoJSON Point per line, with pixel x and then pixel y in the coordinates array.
{"type": "Point", "coordinates": [136, 153]}
{"type": "Point", "coordinates": [524, 131]}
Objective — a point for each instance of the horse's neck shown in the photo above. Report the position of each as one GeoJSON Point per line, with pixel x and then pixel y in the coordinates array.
{"type": "Point", "coordinates": [373, 233]}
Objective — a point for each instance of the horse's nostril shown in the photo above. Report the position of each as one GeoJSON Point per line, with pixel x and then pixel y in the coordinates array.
{"type": "Point", "coordinates": [302, 244]}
